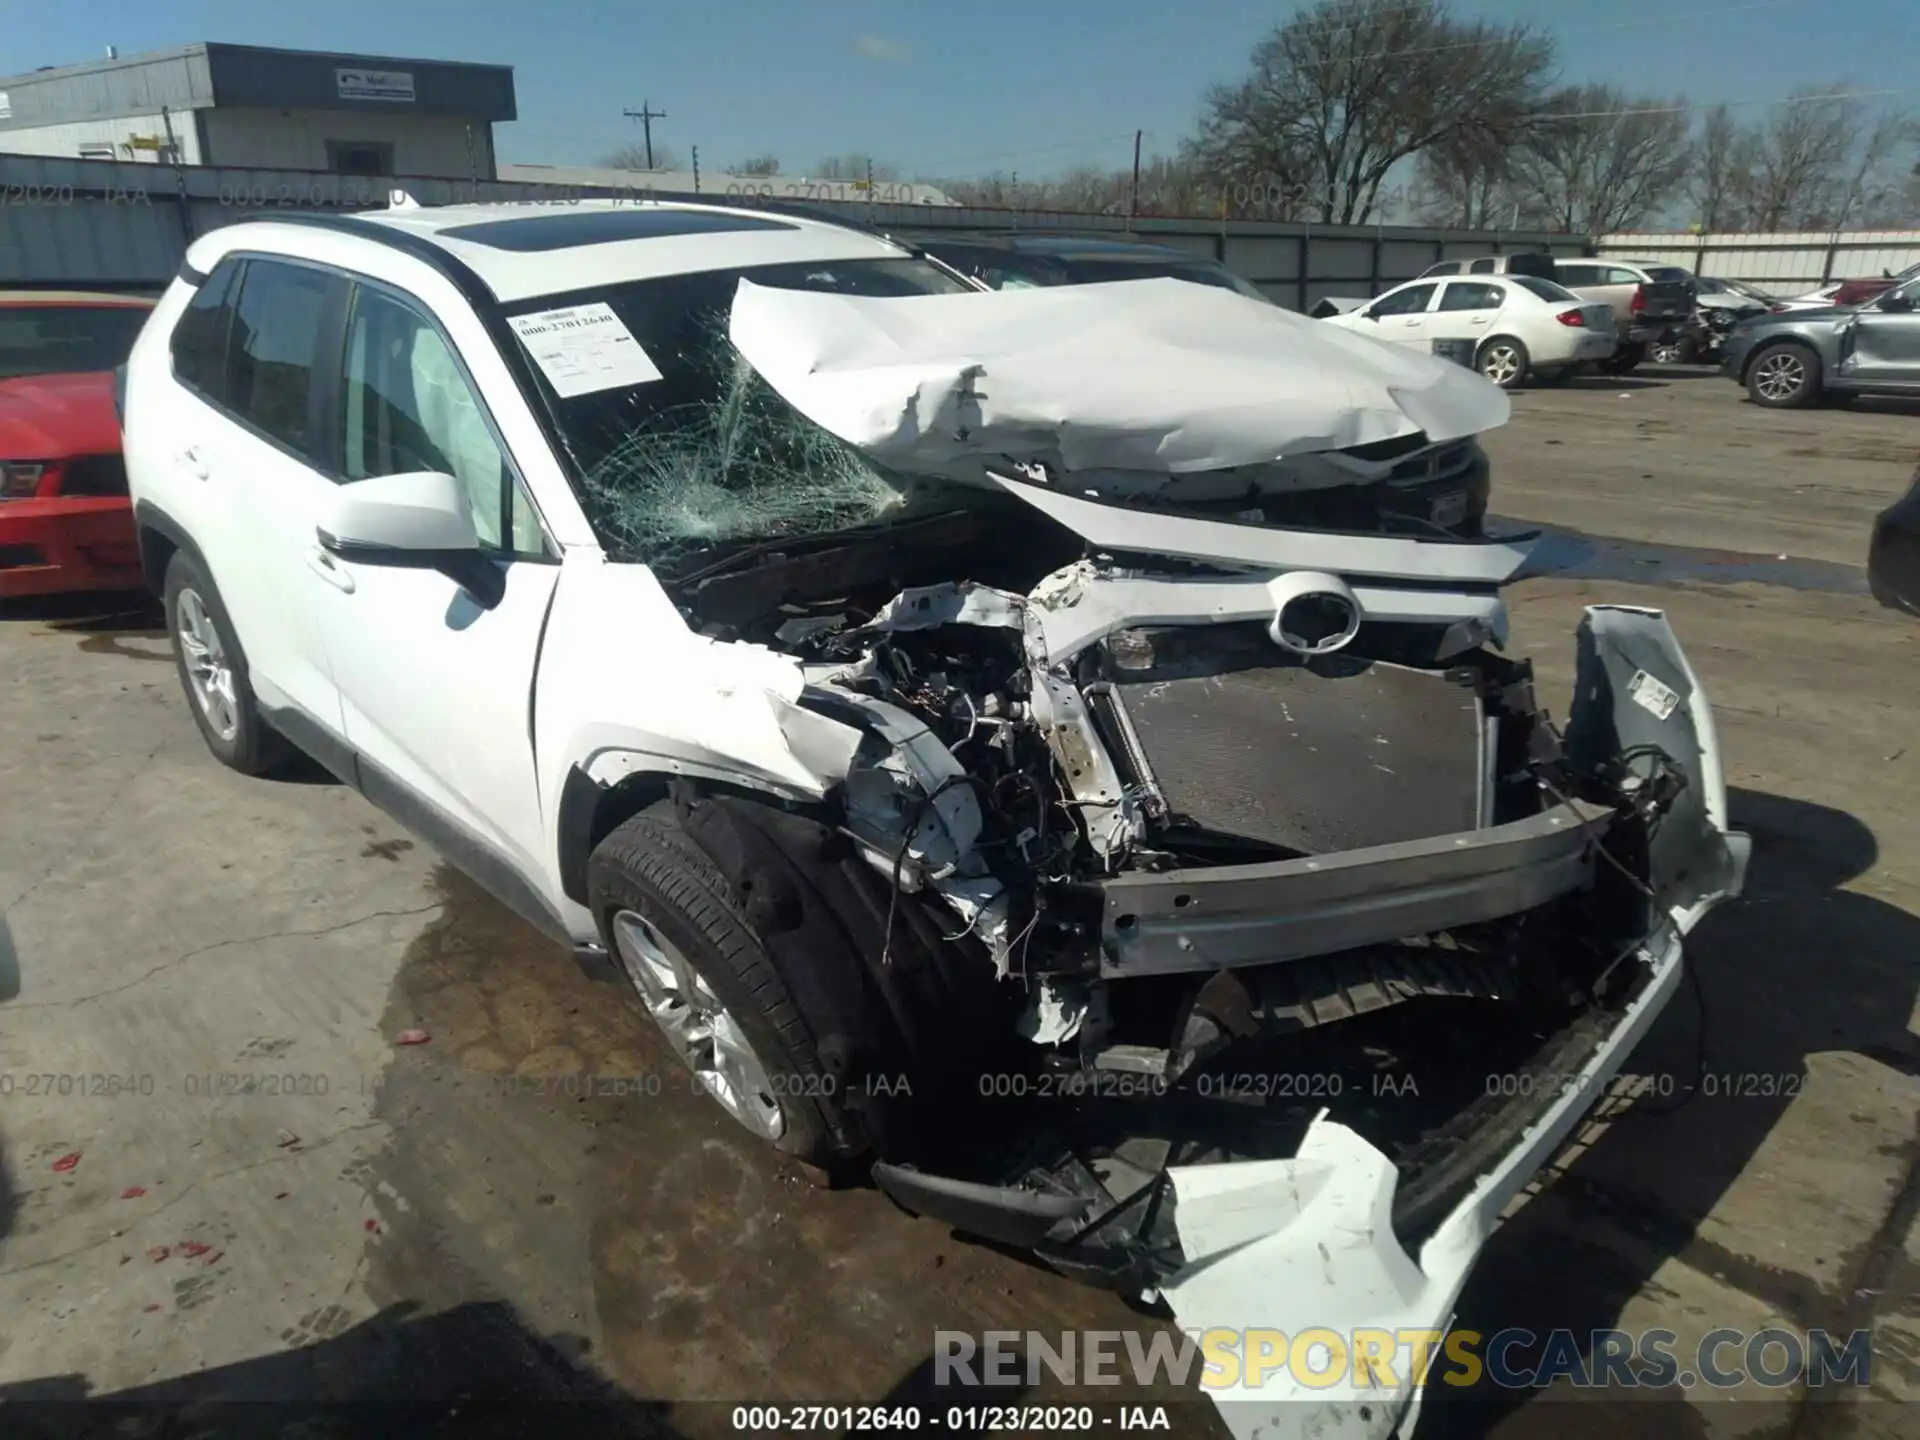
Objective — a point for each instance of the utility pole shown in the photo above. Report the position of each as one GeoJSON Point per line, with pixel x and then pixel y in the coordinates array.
{"type": "Point", "coordinates": [696, 169]}
{"type": "Point", "coordinates": [646, 115]}
{"type": "Point", "coordinates": [1133, 204]}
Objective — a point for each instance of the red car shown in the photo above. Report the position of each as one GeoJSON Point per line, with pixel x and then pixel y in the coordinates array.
{"type": "Point", "coordinates": [65, 520]}
{"type": "Point", "coordinates": [1858, 292]}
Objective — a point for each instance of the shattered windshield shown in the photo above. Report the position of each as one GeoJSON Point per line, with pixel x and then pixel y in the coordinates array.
{"type": "Point", "coordinates": [706, 457]}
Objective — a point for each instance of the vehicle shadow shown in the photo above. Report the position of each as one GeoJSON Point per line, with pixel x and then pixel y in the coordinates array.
{"type": "Point", "coordinates": [1797, 968]}
{"type": "Point", "coordinates": [473, 1370]}
{"type": "Point", "coordinates": [1859, 405]}
{"type": "Point", "coordinates": [129, 611]}
{"type": "Point", "coordinates": [1618, 382]}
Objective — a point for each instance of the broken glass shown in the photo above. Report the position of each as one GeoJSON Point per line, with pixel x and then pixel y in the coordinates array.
{"type": "Point", "coordinates": [742, 465]}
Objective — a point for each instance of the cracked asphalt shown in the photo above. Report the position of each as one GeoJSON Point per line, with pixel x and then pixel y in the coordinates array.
{"type": "Point", "coordinates": [223, 1174]}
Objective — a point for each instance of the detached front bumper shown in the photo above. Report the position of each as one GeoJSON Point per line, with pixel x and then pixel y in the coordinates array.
{"type": "Point", "coordinates": [1306, 1243]}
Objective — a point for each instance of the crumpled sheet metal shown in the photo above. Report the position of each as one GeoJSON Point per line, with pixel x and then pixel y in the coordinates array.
{"type": "Point", "coordinates": [1143, 375]}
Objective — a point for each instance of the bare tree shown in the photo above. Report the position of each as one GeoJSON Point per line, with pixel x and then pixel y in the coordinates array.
{"type": "Point", "coordinates": [1803, 157]}
{"type": "Point", "coordinates": [756, 165]}
{"type": "Point", "coordinates": [1466, 183]}
{"type": "Point", "coordinates": [1595, 160]}
{"type": "Point", "coordinates": [1343, 92]}
{"type": "Point", "coordinates": [634, 157]}
{"type": "Point", "coordinates": [1721, 177]}
{"type": "Point", "coordinates": [1875, 194]}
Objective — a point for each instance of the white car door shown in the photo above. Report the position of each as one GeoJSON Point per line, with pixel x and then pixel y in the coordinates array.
{"type": "Point", "coordinates": [436, 683]}
{"type": "Point", "coordinates": [245, 435]}
{"type": "Point", "coordinates": [1466, 311]}
{"type": "Point", "coordinates": [1401, 315]}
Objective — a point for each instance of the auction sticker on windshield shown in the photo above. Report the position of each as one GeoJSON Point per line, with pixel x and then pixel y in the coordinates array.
{"type": "Point", "coordinates": [584, 348]}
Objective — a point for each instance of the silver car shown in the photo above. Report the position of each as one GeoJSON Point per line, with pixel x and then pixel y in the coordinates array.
{"type": "Point", "coordinates": [1802, 356]}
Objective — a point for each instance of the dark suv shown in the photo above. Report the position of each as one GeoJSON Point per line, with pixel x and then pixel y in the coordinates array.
{"type": "Point", "coordinates": [1004, 262]}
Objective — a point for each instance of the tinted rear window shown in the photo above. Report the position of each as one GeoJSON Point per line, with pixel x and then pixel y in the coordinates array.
{"type": "Point", "coordinates": [1545, 289]}
{"type": "Point", "coordinates": [199, 340]}
{"type": "Point", "coordinates": [66, 339]}
{"type": "Point", "coordinates": [276, 336]}
{"type": "Point", "coordinates": [1665, 273]}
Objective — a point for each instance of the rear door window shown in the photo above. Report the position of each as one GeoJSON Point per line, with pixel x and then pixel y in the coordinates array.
{"type": "Point", "coordinates": [1573, 276]}
{"type": "Point", "coordinates": [1410, 301]}
{"type": "Point", "coordinates": [199, 340]}
{"type": "Point", "coordinates": [1469, 295]}
{"type": "Point", "coordinates": [277, 323]}
{"type": "Point", "coordinates": [1482, 267]}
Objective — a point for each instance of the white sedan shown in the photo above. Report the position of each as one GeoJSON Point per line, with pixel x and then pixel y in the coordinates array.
{"type": "Point", "coordinates": [1517, 326]}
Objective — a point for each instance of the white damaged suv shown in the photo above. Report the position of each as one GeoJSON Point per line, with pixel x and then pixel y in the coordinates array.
{"type": "Point", "coordinates": [955, 716]}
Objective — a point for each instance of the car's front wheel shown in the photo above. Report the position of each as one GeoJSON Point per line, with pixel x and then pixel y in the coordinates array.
{"type": "Point", "coordinates": [1677, 351]}
{"type": "Point", "coordinates": [213, 672]}
{"type": "Point", "coordinates": [679, 934]}
{"type": "Point", "coordinates": [1504, 361]}
{"type": "Point", "coordinates": [1784, 376]}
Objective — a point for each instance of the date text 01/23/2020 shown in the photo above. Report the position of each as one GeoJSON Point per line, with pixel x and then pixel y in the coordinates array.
{"type": "Point", "coordinates": [959, 1419]}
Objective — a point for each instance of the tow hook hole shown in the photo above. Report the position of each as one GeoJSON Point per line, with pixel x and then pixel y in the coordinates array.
{"type": "Point", "coordinates": [1180, 902]}
{"type": "Point", "coordinates": [1126, 922]}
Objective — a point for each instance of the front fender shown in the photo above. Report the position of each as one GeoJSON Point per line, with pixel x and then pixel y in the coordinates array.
{"type": "Point", "coordinates": [624, 689]}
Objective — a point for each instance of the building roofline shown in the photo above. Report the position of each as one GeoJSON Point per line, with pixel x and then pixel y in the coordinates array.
{"type": "Point", "coordinates": [221, 47]}
{"type": "Point", "coordinates": [94, 67]}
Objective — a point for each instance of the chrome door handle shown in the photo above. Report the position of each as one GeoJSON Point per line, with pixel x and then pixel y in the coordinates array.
{"type": "Point", "coordinates": [330, 570]}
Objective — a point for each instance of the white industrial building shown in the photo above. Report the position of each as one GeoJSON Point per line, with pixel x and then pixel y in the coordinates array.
{"type": "Point", "coordinates": [244, 105]}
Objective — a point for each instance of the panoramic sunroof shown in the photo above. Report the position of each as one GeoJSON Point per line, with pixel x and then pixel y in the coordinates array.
{"type": "Point", "coordinates": [530, 233]}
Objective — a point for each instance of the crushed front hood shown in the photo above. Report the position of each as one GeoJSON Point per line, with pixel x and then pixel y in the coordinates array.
{"type": "Point", "coordinates": [1139, 375]}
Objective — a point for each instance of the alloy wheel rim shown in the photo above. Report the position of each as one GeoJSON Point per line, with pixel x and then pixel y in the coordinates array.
{"type": "Point", "coordinates": [701, 1030]}
{"type": "Point", "coordinates": [1501, 365]}
{"type": "Point", "coordinates": [1779, 376]}
{"type": "Point", "coordinates": [209, 675]}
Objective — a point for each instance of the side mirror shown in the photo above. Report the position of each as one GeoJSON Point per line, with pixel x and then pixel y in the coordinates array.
{"type": "Point", "coordinates": [1897, 302]}
{"type": "Point", "coordinates": [417, 521]}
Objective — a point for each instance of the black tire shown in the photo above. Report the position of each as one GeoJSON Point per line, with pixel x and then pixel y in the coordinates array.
{"type": "Point", "coordinates": [1626, 359]}
{"type": "Point", "coordinates": [1497, 353]}
{"type": "Point", "coordinates": [649, 865]}
{"type": "Point", "coordinates": [1783, 376]}
{"type": "Point", "coordinates": [252, 746]}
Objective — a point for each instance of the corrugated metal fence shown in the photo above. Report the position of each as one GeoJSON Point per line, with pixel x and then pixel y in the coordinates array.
{"type": "Point", "coordinates": [1783, 264]}
{"type": "Point", "coordinates": [127, 224]}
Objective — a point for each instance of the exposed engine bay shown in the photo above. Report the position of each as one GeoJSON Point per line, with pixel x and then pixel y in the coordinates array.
{"type": "Point", "coordinates": [1232, 848]}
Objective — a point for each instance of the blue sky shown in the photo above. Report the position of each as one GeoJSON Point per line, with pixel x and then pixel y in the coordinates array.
{"type": "Point", "coordinates": [949, 89]}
